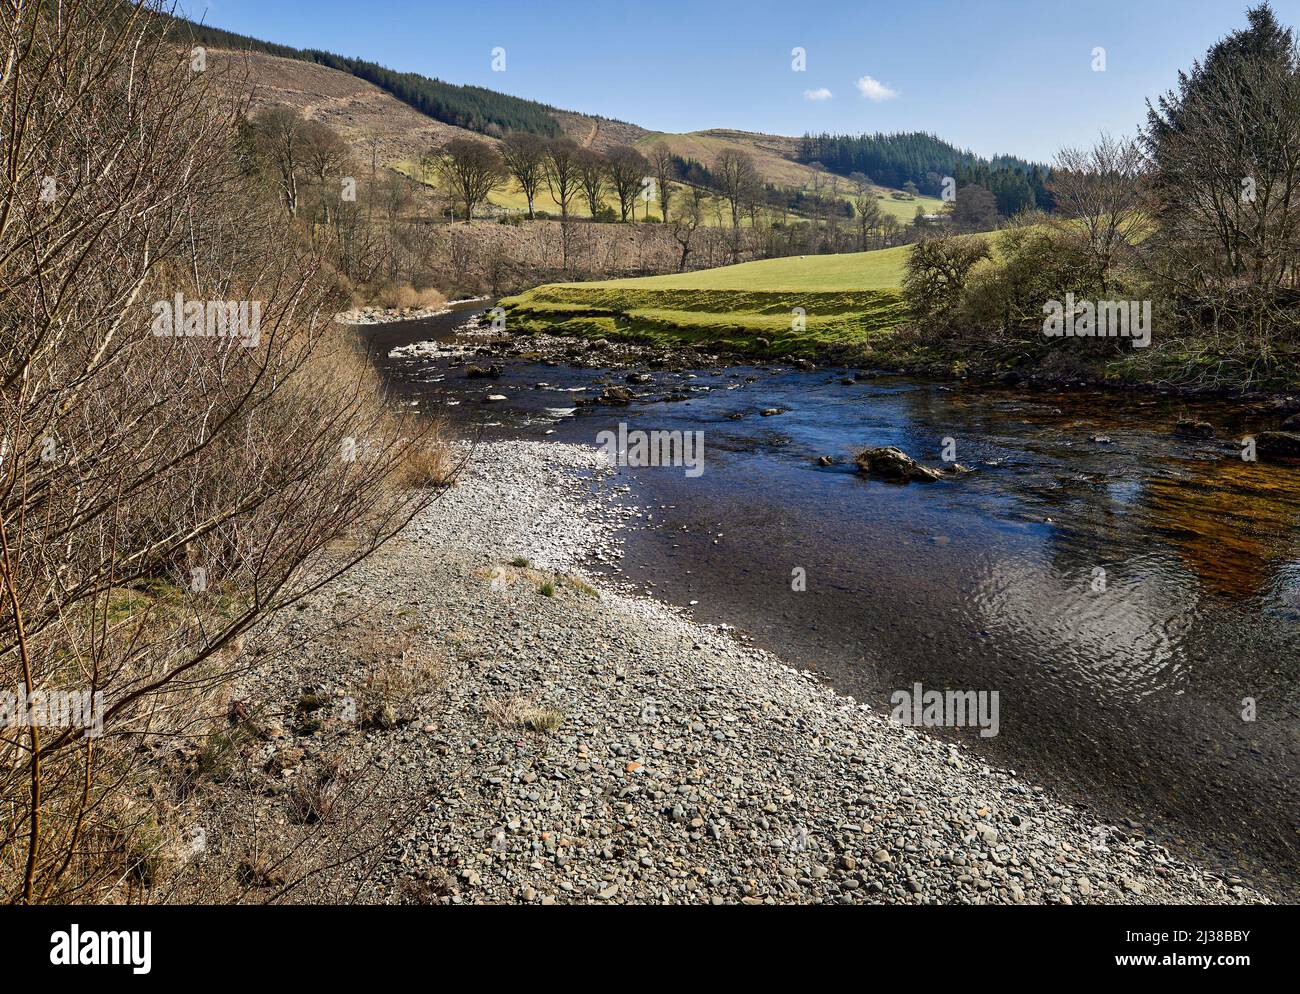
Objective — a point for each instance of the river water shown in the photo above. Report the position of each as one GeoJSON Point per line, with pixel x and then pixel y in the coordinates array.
{"type": "Point", "coordinates": [1129, 594]}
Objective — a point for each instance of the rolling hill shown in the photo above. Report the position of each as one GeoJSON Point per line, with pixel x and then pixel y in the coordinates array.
{"type": "Point", "coordinates": [405, 113]}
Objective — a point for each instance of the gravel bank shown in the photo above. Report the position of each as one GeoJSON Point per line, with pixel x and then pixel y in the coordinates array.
{"type": "Point", "coordinates": [594, 746]}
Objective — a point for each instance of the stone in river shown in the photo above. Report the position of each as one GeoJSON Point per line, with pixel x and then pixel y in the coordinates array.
{"type": "Point", "coordinates": [891, 463]}
{"type": "Point", "coordinates": [1278, 444]}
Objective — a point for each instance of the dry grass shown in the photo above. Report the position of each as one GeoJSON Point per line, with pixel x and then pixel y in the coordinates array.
{"type": "Point", "coordinates": [516, 712]}
{"type": "Point", "coordinates": [398, 671]}
{"type": "Point", "coordinates": [319, 796]}
{"type": "Point", "coordinates": [405, 295]}
{"type": "Point", "coordinates": [429, 465]}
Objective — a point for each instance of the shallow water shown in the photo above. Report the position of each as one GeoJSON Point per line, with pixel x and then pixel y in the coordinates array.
{"type": "Point", "coordinates": [1125, 695]}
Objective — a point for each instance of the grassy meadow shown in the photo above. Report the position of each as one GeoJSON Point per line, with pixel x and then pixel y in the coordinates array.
{"type": "Point", "coordinates": [847, 301]}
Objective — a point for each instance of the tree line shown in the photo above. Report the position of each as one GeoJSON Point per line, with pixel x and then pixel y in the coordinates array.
{"type": "Point", "coordinates": [924, 160]}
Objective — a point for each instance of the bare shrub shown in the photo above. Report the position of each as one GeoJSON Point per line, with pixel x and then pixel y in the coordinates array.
{"type": "Point", "coordinates": [1100, 189]}
{"type": "Point", "coordinates": [160, 495]}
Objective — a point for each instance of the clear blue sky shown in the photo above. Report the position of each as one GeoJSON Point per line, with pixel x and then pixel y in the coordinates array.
{"type": "Point", "coordinates": [993, 75]}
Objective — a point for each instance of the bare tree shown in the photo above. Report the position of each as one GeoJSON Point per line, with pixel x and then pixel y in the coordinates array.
{"type": "Point", "coordinates": [562, 175]}
{"type": "Point", "coordinates": [472, 169]}
{"type": "Point", "coordinates": [736, 177]}
{"type": "Point", "coordinates": [325, 155]}
{"type": "Point", "coordinates": [627, 172]}
{"type": "Point", "coordinates": [563, 180]}
{"type": "Point", "coordinates": [663, 165]}
{"type": "Point", "coordinates": [975, 209]}
{"type": "Point", "coordinates": [1100, 189]}
{"type": "Point", "coordinates": [593, 173]}
{"type": "Point", "coordinates": [281, 135]}
{"type": "Point", "coordinates": [890, 230]}
{"type": "Point", "coordinates": [686, 222]}
{"type": "Point", "coordinates": [866, 207]}
{"type": "Point", "coordinates": [524, 154]}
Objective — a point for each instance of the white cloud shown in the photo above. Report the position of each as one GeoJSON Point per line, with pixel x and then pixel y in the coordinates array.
{"type": "Point", "coordinates": [873, 89]}
{"type": "Point", "coordinates": [819, 94]}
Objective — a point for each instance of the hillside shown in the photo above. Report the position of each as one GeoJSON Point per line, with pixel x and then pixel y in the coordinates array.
{"type": "Point", "coordinates": [768, 151]}
{"type": "Point", "coordinates": [357, 110]}
{"type": "Point", "coordinates": [600, 133]}
{"type": "Point", "coordinates": [360, 111]}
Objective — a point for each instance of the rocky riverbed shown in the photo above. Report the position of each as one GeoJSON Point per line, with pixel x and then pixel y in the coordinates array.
{"type": "Point", "coordinates": [554, 742]}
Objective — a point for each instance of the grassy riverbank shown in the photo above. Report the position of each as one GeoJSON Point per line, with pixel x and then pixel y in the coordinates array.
{"type": "Point", "coordinates": [849, 308]}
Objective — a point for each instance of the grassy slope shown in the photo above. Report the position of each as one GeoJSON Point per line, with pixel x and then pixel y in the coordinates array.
{"type": "Point", "coordinates": [847, 300]}
{"type": "Point", "coordinates": [905, 210]}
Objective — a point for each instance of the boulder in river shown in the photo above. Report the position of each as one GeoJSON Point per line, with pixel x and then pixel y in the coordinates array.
{"type": "Point", "coordinates": [480, 372]}
{"type": "Point", "coordinates": [891, 463]}
{"type": "Point", "coordinates": [615, 397]}
{"type": "Point", "coordinates": [1278, 444]}
{"type": "Point", "coordinates": [1190, 428]}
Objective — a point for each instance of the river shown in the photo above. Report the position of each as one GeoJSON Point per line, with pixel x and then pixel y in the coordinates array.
{"type": "Point", "coordinates": [1130, 594]}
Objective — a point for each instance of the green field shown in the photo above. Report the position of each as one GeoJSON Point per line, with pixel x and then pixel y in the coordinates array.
{"type": "Point", "coordinates": [846, 300]}
{"type": "Point", "coordinates": [905, 210]}
{"type": "Point", "coordinates": [879, 270]}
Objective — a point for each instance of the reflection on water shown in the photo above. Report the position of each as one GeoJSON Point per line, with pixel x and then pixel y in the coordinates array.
{"type": "Point", "coordinates": [1118, 635]}
{"type": "Point", "coordinates": [1127, 692]}
{"type": "Point", "coordinates": [1234, 523]}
